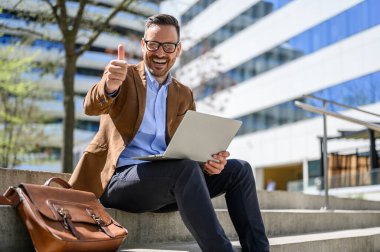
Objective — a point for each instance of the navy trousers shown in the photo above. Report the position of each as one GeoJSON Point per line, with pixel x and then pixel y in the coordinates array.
{"type": "Point", "coordinates": [181, 184]}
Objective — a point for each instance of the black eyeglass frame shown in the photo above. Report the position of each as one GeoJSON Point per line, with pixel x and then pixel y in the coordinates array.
{"type": "Point", "coordinates": [161, 44]}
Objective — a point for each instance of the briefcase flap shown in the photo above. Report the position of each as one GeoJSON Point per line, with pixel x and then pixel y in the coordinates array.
{"type": "Point", "coordinates": [58, 203]}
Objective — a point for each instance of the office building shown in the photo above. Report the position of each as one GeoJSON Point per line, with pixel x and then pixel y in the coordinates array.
{"type": "Point", "coordinates": [250, 60]}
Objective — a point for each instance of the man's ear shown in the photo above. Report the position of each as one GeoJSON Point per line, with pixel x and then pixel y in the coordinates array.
{"type": "Point", "coordinates": [179, 49]}
{"type": "Point", "coordinates": [142, 42]}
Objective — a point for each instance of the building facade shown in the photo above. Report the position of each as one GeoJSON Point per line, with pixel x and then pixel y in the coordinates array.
{"type": "Point", "coordinates": [250, 60]}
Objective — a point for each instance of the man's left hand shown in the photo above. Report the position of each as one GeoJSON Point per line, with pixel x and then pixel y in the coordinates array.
{"type": "Point", "coordinates": [212, 167]}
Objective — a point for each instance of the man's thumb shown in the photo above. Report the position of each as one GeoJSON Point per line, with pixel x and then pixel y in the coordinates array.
{"type": "Point", "coordinates": [120, 52]}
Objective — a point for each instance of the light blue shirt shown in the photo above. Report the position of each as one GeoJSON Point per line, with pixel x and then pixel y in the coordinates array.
{"type": "Point", "coordinates": [150, 138]}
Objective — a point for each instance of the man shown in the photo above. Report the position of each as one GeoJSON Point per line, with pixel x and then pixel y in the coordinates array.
{"type": "Point", "coordinates": [141, 107]}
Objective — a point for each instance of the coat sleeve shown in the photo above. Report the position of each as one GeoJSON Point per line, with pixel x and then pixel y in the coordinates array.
{"type": "Point", "coordinates": [97, 101]}
{"type": "Point", "coordinates": [192, 106]}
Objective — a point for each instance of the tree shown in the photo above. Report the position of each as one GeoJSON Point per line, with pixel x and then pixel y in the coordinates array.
{"type": "Point", "coordinates": [19, 117]}
{"type": "Point", "coordinates": [70, 26]}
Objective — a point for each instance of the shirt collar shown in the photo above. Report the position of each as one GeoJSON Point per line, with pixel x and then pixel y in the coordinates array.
{"type": "Point", "coordinates": [152, 81]}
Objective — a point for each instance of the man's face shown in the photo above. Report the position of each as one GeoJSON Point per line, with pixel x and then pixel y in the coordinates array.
{"type": "Point", "coordinates": [160, 62]}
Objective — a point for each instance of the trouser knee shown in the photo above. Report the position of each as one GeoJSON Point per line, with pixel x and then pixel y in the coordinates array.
{"type": "Point", "coordinates": [189, 168]}
{"type": "Point", "coordinates": [243, 169]}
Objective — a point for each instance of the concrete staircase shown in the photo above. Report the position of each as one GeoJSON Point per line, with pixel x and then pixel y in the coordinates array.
{"type": "Point", "coordinates": [293, 223]}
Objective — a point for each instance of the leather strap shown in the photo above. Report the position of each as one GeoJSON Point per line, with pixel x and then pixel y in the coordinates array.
{"type": "Point", "coordinates": [59, 181]}
{"type": "Point", "coordinates": [73, 230]}
{"type": "Point", "coordinates": [107, 231]}
{"type": "Point", "coordinates": [5, 201]}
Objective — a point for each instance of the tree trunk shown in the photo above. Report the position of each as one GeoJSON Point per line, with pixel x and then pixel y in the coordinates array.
{"type": "Point", "coordinates": [69, 109]}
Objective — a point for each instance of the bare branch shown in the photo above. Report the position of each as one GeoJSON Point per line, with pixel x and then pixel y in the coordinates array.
{"type": "Point", "coordinates": [112, 4]}
{"type": "Point", "coordinates": [20, 29]}
{"type": "Point", "coordinates": [17, 4]}
{"type": "Point", "coordinates": [123, 5]}
{"type": "Point", "coordinates": [29, 33]}
{"type": "Point", "coordinates": [79, 16]}
{"type": "Point", "coordinates": [55, 13]}
{"type": "Point", "coordinates": [63, 14]}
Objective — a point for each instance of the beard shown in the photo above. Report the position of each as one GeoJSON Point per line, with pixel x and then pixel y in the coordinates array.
{"type": "Point", "coordinates": [159, 66]}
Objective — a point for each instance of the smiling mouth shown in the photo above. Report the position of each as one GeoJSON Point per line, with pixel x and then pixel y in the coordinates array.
{"type": "Point", "coordinates": [159, 61]}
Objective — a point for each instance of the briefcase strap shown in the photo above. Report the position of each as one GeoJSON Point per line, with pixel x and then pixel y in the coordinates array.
{"type": "Point", "coordinates": [59, 181]}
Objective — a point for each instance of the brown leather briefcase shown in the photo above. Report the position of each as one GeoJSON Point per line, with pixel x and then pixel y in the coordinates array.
{"type": "Point", "coordinates": [64, 219]}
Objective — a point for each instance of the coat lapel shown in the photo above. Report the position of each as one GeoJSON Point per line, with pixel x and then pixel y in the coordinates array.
{"type": "Point", "coordinates": [171, 109]}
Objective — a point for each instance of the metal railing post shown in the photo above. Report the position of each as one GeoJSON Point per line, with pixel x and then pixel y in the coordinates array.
{"type": "Point", "coordinates": [324, 152]}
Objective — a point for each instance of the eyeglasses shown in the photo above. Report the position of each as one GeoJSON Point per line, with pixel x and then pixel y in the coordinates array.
{"type": "Point", "coordinates": [154, 46]}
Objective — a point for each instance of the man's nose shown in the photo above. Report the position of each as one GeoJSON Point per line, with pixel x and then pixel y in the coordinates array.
{"type": "Point", "coordinates": [160, 51]}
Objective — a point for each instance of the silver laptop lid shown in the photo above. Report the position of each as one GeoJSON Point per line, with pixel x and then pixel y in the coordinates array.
{"type": "Point", "coordinates": [200, 135]}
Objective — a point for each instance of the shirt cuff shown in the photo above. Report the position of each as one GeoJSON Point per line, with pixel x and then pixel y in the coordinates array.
{"type": "Point", "coordinates": [114, 93]}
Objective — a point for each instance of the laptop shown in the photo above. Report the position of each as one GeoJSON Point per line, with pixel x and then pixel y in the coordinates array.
{"type": "Point", "coordinates": [198, 137]}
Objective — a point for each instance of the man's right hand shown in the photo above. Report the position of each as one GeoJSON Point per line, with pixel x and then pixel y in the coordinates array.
{"type": "Point", "coordinates": [116, 71]}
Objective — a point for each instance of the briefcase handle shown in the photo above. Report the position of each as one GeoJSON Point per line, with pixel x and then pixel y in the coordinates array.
{"type": "Point", "coordinates": [59, 181]}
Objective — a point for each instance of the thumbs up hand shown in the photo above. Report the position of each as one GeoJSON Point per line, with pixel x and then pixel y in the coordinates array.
{"type": "Point", "coordinates": [116, 71]}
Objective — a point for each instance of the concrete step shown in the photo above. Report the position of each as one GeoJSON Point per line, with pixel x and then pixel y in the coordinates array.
{"type": "Point", "coordinates": [154, 228]}
{"type": "Point", "coordinates": [168, 227]}
{"type": "Point", "coordinates": [354, 240]}
{"type": "Point", "coordinates": [267, 200]}
{"type": "Point", "coordinates": [296, 200]}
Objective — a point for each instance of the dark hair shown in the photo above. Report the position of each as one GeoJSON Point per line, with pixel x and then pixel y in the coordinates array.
{"type": "Point", "coordinates": [163, 19]}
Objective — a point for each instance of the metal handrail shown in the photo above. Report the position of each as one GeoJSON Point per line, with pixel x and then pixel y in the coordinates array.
{"type": "Point", "coordinates": [325, 112]}
{"type": "Point", "coordinates": [337, 115]}
{"type": "Point", "coordinates": [341, 105]}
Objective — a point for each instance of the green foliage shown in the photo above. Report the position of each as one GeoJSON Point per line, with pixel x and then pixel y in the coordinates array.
{"type": "Point", "coordinates": [20, 132]}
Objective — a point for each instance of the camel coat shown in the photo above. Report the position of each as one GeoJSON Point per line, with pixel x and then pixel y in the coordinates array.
{"type": "Point", "coordinates": [120, 119]}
